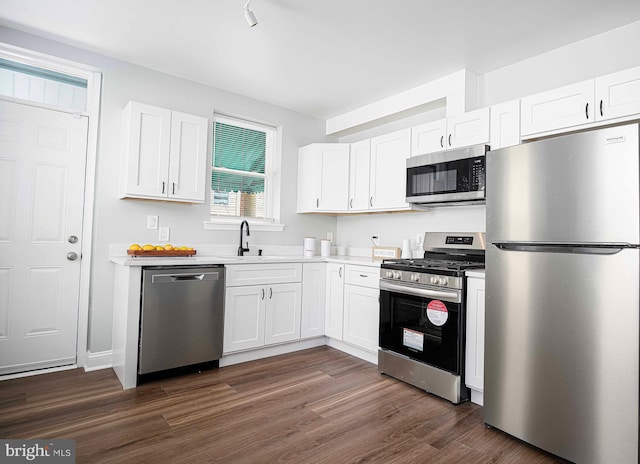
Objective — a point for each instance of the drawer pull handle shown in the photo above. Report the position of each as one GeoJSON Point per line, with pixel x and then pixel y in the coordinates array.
{"type": "Point", "coordinates": [363, 275]}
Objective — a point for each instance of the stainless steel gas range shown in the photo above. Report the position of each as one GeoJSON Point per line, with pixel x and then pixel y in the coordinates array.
{"type": "Point", "coordinates": [423, 316]}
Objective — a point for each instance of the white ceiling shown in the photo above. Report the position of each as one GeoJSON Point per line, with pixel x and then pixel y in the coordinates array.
{"type": "Point", "coordinates": [318, 57]}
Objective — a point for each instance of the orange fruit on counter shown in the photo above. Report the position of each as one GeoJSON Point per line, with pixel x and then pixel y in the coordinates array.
{"type": "Point", "coordinates": [168, 247]}
{"type": "Point", "coordinates": [134, 246]}
{"type": "Point", "coordinates": [148, 247]}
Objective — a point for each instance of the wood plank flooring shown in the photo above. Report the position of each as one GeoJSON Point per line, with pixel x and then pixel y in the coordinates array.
{"type": "Point", "coordinates": [313, 406]}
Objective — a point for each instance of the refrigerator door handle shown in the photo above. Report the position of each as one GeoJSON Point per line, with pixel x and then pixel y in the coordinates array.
{"type": "Point", "coordinates": [575, 248]}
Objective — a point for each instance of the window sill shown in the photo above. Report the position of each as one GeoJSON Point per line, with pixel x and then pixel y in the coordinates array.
{"type": "Point", "coordinates": [258, 225]}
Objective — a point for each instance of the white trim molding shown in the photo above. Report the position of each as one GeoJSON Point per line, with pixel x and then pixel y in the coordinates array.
{"type": "Point", "coordinates": [98, 360]}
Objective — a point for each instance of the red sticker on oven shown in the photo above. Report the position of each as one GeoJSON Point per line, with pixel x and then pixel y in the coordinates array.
{"type": "Point", "coordinates": [437, 313]}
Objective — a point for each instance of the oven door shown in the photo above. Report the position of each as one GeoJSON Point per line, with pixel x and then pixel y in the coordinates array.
{"type": "Point", "coordinates": [422, 323]}
{"type": "Point", "coordinates": [447, 177]}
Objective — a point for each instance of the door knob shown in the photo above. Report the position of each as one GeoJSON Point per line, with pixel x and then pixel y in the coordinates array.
{"type": "Point", "coordinates": [72, 239]}
{"type": "Point", "coordinates": [72, 256]}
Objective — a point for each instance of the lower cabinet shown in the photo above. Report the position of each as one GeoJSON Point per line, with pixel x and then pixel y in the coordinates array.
{"type": "Point", "coordinates": [313, 300]}
{"type": "Point", "coordinates": [474, 354]}
{"type": "Point", "coordinates": [265, 313]}
{"type": "Point", "coordinates": [352, 306]}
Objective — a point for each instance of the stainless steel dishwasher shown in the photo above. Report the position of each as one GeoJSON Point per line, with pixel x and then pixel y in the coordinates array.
{"type": "Point", "coordinates": [181, 323]}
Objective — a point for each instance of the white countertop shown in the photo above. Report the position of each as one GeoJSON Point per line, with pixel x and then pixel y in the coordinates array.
{"type": "Point", "coordinates": [126, 260]}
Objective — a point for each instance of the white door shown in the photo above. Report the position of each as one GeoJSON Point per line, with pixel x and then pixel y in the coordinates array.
{"type": "Point", "coordinates": [361, 316]}
{"type": "Point", "coordinates": [42, 173]}
{"type": "Point", "coordinates": [470, 128]}
{"type": "Point", "coordinates": [187, 157]}
{"type": "Point", "coordinates": [314, 277]}
{"type": "Point", "coordinates": [244, 317]}
{"type": "Point", "coordinates": [282, 313]}
{"type": "Point", "coordinates": [359, 162]}
{"type": "Point", "coordinates": [335, 301]}
{"type": "Point", "coordinates": [334, 176]}
{"type": "Point", "coordinates": [429, 137]}
{"type": "Point", "coordinates": [388, 183]}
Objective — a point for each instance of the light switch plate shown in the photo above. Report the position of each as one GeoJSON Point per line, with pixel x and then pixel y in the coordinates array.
{"type": "Point", "coordinates": [163, 234]}
{"type": "Point", "coordinates": [330, 236]}
{"type": "Point", "coordinates": [152, 222]}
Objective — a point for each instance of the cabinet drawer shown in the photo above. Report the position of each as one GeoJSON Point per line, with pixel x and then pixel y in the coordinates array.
{"type": "Point", "coordinates": [364, 276]}
{"type": "Point", "coordinates": [260, 274]}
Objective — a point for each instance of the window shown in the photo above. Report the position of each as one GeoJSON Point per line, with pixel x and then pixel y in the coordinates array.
{"type": "Point", "coordinates": [242, 171]}
{"type": "Point", "coordinates": [26, 82]}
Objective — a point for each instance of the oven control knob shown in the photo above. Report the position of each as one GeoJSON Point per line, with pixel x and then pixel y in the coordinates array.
{"type": "Point", "coordinates": [389, 275]}
{"type": "Point", "coordinates": [443, 281]}
{"type": "Point", "coordinates": [434, 280]}
{"type": "Point", "coordinates": [415, 277]}
{"type": "Point", "coordinates": [397, 275]}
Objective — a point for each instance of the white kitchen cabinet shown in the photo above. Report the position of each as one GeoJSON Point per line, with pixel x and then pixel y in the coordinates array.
{"type": "Point", "coordinates": [282, 313]}
{"type": "Point", "coordinates": [359, 175]}
{"type": "Point", "coordinates": [164, 154]}
{"type": "Point", "coordinates": [263, 304]}
{"type": "Point", "coordinates": [388, 171]}
{"type": "Point", "coordinates": [323, 178]}
{"type": "Point", "coordinates": [429, 137]}
{"type": "Point", "coordinates": [334, 308]}
{"type": "Point", "coordinates": [567, 106]}
{"type": "Point", "coordinates": [314, 277]}
{"type": "Point", "coordinates": [618, 94]}
{"type": "Point", "coordinates": [361, 307]}
{"type": "Point", "coordinates": [505, 125]}
{"type": "Point", "coordinates": [471, 128]}
{"type": "Point", "coordinates": [474, 354]}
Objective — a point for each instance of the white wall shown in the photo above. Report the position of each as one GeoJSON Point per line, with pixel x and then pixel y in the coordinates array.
{"type": "Point", "coordinates": [612, 51]}
{"type": "Point", "coordinates": [124, 221]}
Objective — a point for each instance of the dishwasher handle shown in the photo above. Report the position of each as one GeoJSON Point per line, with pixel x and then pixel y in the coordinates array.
{"type": "Point", "coordinates": [169, 278]}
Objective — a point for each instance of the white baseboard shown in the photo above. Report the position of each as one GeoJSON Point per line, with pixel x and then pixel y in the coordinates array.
{"type": "Point", "coordinates": [477, 397]}
{"type": "Point", "coordinates": [251, 355]}
{"type": "Point", "coordinates": [99, 360]}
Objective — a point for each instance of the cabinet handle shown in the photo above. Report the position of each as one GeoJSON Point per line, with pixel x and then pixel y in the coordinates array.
{"type": "Point", "coordinates": [174, 188]}
{"type": "Point", "coordinates": [317, 202]}
{"type": "Point", "coordinates": [363, 275]}
{"type": "Point", "coordinates": [340, 272]}
{"type": "Point", "coordinates": [442, 141]}
{"type": "Point", "coordinates": [601, 112]}
{"type": "Point", "coordinates": [162, 186]}
{"type": "Point", "coordinates": [586, 110]}
{"type": "Point", "coordinates": [371, 201]}
{"type": "Point", "coordinates": [449, 139]}
{"type": "Point", "coordinates": [263, 293]}
{"type": "Point", "coordinates": [270, 292]}
{"type": "Point", "coordinates": [351, 203]}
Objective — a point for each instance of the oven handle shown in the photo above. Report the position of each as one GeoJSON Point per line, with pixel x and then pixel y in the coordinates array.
{"type": "Point", "coordinates": [453, 297]}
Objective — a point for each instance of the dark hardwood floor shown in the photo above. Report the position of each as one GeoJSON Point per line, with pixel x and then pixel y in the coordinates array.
{"type": "Point", "coordinates": [313, 406]}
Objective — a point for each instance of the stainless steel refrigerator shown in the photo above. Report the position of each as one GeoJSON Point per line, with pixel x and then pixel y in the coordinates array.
{"type": "Point", "coordinates": [562, 295]}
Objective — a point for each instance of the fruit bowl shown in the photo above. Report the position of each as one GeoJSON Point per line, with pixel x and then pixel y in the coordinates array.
{"type": "Point", "coordinates": [161, 252]}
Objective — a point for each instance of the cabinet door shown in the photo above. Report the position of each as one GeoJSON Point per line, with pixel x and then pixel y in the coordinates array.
{"type": "Point", "coordinates": [314, 289]}
{"type": "Point", "coordinates": [567, 106]}
{"type": "Point", "coordinates": [308, 193]}
{"type": "Point", "coordinates": [361, 317]}
{"type": "Point", "coordinates": [187, 158]}
{"type": "Point", "coordinates": [505, 125]}
{"type": "Point", "coordinates": [618, 94]}
{"type": "Point", "coordinates": [359, 168]}
{"type": "Point", "coordinates": [146, 156]}
{"type": "Point", "coordinates": [282, 313]}
{"type": "Point", "coordinates": [244, 321]}
{"type": "Point", "coordinates": [334, 177]}
{"type": "Point", "coordinates": [474, 356]}
{"type": "Point", "coordinates": [470, 128]}
{"type": "Point", "coordinates": [388, 181]}
{"type": "Point", "coordinates": [429, 137]}
{"type": "Point", "coordinates": [335, 301]}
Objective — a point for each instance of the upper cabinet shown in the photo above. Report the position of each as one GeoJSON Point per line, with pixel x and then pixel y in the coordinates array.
{"type": "Point", "coordinates": [164, 154]}
{"type": "Point", "coordinates": [505, 125]}
{"type": "Point", "coordinates": [604, 98]}
{"type": "Point", "coordinates": [471, 128]}
{"type": "Point", "coordinates": [388, 171]}
{"type": "Point", "coordinates": [618, 94]}
{"type": "Point", "coordinates": [566, 106]}
{"type": "Point", "coordinates": [323, 178]}
{"type": "Point", "coordinates": [359, 174]}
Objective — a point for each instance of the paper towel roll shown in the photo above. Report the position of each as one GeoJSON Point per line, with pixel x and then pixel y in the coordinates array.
{"type": "Point", "coordinates": [325, 248]}
{"type": "Point", "coordinates": [406, 249]}
{"type": "Point", "coordinates": [309, 247]}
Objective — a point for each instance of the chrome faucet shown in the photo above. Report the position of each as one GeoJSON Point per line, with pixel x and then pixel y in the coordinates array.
{"type": "Point", "coordinates": [242, 249]}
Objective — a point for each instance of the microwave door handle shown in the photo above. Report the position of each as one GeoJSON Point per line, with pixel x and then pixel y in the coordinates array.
{"type": "Point", "coordinates": [453, 297]}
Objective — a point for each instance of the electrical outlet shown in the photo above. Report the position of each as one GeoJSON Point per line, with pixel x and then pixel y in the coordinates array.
{"type": "Point", "coordinates": [152, 222]}
{"type": "Point", "coordinates": [330, 236]}
{"type": "Point", "coordinates": [163, 234]}
{"type": "Point", "coordinates": [419, 238]}
{"type": "Point", "coordinates": [375, 239]}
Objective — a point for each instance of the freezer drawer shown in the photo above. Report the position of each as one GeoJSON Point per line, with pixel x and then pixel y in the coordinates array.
{"type": "Point", "coordinates": [561, 351]}
{"type": "Point", "coordinates": [182, 316]}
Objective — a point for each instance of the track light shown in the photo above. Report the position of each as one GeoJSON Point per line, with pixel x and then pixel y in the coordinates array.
{"type": "Point", "coordinates": [249, 16]}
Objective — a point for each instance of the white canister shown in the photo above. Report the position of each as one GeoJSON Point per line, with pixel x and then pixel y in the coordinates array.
{"type": "Point", "coordinates": [406, 248]}
{"type": "Point", "coordinates": [325, 248]}
{"type": "Point", "coordinates": [309, 247]}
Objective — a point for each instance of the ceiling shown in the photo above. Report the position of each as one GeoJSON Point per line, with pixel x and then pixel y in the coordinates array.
{"type": "Point", "coordinates": [318, 57]}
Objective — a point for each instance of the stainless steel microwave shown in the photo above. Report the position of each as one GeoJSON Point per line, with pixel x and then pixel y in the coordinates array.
{"type": "Point", "coordinates": [447, 178]}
